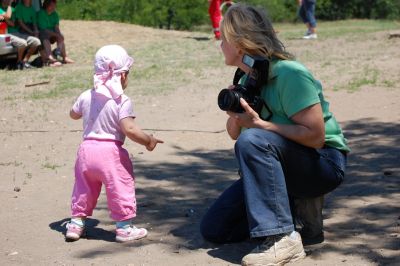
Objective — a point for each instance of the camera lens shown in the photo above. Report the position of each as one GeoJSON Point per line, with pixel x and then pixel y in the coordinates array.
{"type": "Point", "coordinates": [229, 100]}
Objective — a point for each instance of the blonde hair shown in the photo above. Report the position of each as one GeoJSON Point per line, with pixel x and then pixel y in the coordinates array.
{"type": "Point", "coordinates": [249, 29]}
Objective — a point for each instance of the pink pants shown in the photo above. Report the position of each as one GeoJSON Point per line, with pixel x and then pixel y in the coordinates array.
{"type": "Point", "coordinates": [104, 162]}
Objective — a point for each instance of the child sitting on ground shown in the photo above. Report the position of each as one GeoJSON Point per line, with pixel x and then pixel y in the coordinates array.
{"type": "Point", "coordinates": [107, 118]}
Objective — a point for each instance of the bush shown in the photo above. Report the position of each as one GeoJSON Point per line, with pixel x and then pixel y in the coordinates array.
{"type": "Point", "coordinates": [368, 9]}
{"type": "Point", "coordinates": [178, 14]}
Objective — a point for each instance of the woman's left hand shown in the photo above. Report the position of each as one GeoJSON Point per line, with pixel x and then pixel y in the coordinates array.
{"type": "Point", "coordinates": [248, 119]}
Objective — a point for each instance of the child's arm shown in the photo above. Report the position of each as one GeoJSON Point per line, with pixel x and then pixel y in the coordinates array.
{"type": "Point", "coordinates": [74, 115]}
{"type": "Point", "coordinates": [132, 131]}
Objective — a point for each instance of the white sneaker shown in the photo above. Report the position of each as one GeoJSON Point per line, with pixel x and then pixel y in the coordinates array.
{"type": "Point", "coordinates": [276, 250]}
{"type": "Point", "coordinates": [310, 36]}
{"type": "Point", "coordinates": [130, 233]}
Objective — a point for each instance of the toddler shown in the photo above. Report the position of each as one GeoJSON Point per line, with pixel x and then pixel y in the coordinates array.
{"type": "Point", "coordinates": [107, 118]}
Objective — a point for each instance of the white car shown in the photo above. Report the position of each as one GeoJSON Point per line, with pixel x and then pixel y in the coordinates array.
{"type": "Point", "coordinates": [6, 49]}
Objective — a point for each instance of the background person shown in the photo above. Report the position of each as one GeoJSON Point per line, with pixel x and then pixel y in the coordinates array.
{"type": "Point", "coordinates": [214, 10]}
{"type": "Point", "coordinates": [293, 148]}
{"type": "Point", "coordinates": [107, 119]}
{"type": "Point", "coordinates": [307, 14]}
{"type": "Point", "coordinates": [8, 15]}
{"type": "Point", "coordinates": [49, 31]}
{"type": "Point", "coordinates": [25, 17]}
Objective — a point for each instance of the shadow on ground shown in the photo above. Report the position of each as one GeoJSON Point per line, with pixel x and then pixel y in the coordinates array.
{"type": "Point", "coordinates": [188, 188]}
{"type": "Point", "coordinates": [92, 233]}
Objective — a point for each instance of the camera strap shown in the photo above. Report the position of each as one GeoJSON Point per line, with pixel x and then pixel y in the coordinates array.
{"type": "Point", "coordinates": [238, 75]}
{"type": "Point", "coordinates": [269, 112]}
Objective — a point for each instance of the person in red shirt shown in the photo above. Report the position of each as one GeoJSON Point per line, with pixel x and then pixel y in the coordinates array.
{"type": "Point", "coordinates": [214, 10]}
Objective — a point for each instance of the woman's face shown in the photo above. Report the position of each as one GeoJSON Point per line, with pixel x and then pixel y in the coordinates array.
{"type": "Point", "coordinates": [232, 54]}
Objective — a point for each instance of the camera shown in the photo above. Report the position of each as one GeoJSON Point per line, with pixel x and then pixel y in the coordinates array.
{"type": "Point", "coordinates": [229, 99]}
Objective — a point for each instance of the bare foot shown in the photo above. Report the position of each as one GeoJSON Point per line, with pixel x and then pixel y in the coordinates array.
{"type": "Point", "coordinates": [68, 60]}
{"type": "Point", "coordinates": [54, 64]}
{"type": "Point", "coordinates": [52, 59]}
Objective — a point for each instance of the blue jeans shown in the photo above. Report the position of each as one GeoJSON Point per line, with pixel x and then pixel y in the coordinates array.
{"type": "Point", "coordinates": [307, 10]}
{"type": "Point", "coordinates": [272, 169]}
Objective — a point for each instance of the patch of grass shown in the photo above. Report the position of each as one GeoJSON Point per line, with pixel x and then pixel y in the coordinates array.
{"type": "Point", "coordinates": [389, 83]}
{"type": "Point", "coordinates": [50, 166]}
{"type": "Point", "coordinates": [10, 98]}
{"type": "Point", "coordinates": [176, 60]}
{"type": "Point", "coordinates": [15, 163]}
{"type": "Point", "coordinates": [64, 86]}
{"type": "Point", "coordinates": [331, 29]}
{"type": "Point", "coordinates": [367, 77]}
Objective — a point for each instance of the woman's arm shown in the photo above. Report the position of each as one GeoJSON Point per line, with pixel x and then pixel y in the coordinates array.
{"type": "Point", "coordinates": [233, 128]}
{"type": "Point", "coordinates": [133, 132]}
{"type": "Point", "coordinates": [308, 130]}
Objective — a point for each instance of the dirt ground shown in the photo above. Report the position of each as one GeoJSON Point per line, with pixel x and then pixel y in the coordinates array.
{"type": "Point", "coordinates": [179, 180]}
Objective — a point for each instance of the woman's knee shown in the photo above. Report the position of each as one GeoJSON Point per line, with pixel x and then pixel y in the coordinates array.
{"type": "Point", "coordinates": [248, 137]}
{"type": "Point", "coordinates": [254, 139]}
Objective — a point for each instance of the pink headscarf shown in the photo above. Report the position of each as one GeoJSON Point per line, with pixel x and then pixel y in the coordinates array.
{"type": "Point", "coordinates": [110, 62]}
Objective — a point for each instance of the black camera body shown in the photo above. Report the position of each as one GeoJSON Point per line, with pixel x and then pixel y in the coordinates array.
{"type": "Point", "coordinates": [229, 99]}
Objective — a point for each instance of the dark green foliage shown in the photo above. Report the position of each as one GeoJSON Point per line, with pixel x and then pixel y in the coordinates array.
{"type": "Point", "coordinates": [368, 9]}
{"type": "Point", "coordinates": [183, 14]}
{"type": "Point", "coordinates": [175, 14]}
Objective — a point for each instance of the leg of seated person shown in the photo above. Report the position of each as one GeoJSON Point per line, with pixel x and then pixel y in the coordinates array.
{"type": "Point", "coordinates": [45, 58]}
{"type": "Point", "coordinates": [61, 47]}
{"type": "Point", "coordinates": [66, 59]}
{"type": "Point", "coordinates": [20, 44]}
{"type": "Point", "coordinates": [46, 54]}
{"type": "Point", "coordinates": [33, 44]}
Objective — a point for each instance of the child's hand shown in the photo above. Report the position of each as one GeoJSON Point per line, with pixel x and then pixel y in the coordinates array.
{"type": "Point", "coordinates": [153, 143]}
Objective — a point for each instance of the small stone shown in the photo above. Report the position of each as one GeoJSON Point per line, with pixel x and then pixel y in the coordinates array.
{"type": "Point", "coordinates": [17, 189]}
{"type": "Point", "coordinates": [387, 173]}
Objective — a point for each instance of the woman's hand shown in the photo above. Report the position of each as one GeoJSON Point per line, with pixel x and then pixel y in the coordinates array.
{"type": "Point", "coordinates": [248, 119]}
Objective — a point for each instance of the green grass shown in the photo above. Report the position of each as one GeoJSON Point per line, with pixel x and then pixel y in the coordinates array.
{"type": "Point", "coordinates": [341, 28]}
{"type": "Point", "coordinates": [162, 65]}
{"type": "Point", "coordinates": [15, 163]}
{"type": "Point", "coordinates": [51, 166]}
{"type": "Point", "coordinates": [64, 85]}
{"type": "Point", "coordinates": [367, 77]}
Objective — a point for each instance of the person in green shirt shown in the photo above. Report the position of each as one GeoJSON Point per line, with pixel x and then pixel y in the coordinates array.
{"type": "Point", "coordinates": [289, 148]}
{"type": "Point", "coordinates": [25, 18]}
{"type": "Point", "coordinates": [49, 31]}
{"type": "Point", "coordinates": [7, 12]}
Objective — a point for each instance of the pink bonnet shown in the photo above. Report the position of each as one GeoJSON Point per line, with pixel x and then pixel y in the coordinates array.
{"type": "Point", "coordinates": [110, 61]}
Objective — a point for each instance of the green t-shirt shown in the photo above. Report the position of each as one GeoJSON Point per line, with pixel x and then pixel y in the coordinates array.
{"type": "Point", "coordinates": [290, 89]}
{"type": "Point", "coordinates": [10, 29]}
{"type": "Point", "coordinates": [47, 21]}
{"type": "Point", "coordinates": [25, 13]}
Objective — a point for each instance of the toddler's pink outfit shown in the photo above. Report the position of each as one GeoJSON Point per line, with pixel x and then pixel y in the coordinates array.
{"type": "Point", "coordinates": [101, 159]}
